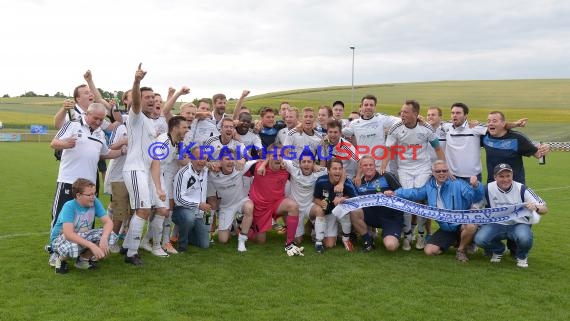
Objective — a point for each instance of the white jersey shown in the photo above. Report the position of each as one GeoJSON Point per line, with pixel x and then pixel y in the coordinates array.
{"type": "Point", "coordinates": [218, 123]}
{"type": "Point", "coordinates": [301, 141]}
{"type": "Point", "coordinates": [81, 160]}
{"type": "Point", "coordinates": [190, 187]}
{"type": "Point", "coordinates": [463, 148]}
{"type": "Point", "coordinates": [440, 134]}
{"type": "Point", "coordinates": [142, 134]}
{"type": "Point", "coordinates": [203, 129]}
{"type": "Point", "coordinates": [160, 125]}
{"type": "Point", "coordinates": [370, 132]}
{"type": "Point", "coordinates": [347, 153]}
{"type": "Point", "coordinates": [230, 188]}
{"type": "Point", "coordinates": [497, 197]}
{"type": "Point", "coordinates": [417, 159]}
{"type": "Point", "coordinates": [282, 135]}
{"type": "Point", "coordinates": [251, 140]}
{"type": "Point", "coordinates": [216, 143]}
{"type": "Point", "coordinates": [302, 187]}
{"type": "Point", "coordinates": [115, 169]}
{"type": "Point", "coordinates": [168, 165]}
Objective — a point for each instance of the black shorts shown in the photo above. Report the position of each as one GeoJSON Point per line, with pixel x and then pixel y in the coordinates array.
{"type": "Point", "coordinates": [102, 165]}
{"type": "Point", "coordinates": [62, 195]}
{"type": "Point", "coordinates": [445, 239]}
{"type": "Point", "coordinates": [389, 220]}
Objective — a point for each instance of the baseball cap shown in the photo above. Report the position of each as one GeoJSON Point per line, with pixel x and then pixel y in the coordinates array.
{"type": "Point", "coordinates": [502, 167]}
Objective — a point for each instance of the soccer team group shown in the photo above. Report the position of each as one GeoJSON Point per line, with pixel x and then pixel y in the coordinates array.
{"type": "Point", "coordinates": [161, 176]}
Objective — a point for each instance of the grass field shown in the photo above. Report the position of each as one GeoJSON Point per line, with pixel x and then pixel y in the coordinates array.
{"type": "Point", "coordinates": [265, 284]}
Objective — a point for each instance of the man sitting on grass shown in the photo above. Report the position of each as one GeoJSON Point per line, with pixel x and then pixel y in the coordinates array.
{"type": "Point", "coordinates": [73, 236]}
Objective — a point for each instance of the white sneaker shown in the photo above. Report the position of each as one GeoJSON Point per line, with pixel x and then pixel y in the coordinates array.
{"type": "Point", "coordinates": [241, 246]}
{"type": "Point", "coordinates": [496, 258]}
{"type": "Point", "coordinates": [241, 243]}
{"type": "Point", "coordinates": [158, 251]}
{"type": "Point", "coordinates": [420, 242]}
{"type": "Point", "coordinates": [522, 263]}
{"type": "Point", "coordinates": [407, 243]}
{"type": "Point", "coordinates": [145, 246]}
{"type": "Point", "coordinates": [53, 259]}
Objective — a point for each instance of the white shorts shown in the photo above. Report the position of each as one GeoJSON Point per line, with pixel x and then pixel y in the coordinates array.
{"type": "Point", "coordinates": [331, 228]}
{"type": "Point", "coordinates": [303, 217]}
{"type": "Point", "coordinates": [227, 214]}
{"type": "Point", "coordinates": [156, 202]}
{"type": "Point", "coordinates": [137, 183]}
{"type": "Point", "coordinates": [413, 180]}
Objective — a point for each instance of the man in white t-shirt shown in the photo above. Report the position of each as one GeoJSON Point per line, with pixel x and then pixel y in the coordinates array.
{"type": "Point", "coordinates": [83, 144]}
{"type": "Point", "coordinates": [433, 117]}
{"type": "Point", "coordinates": [304, 137]}
{"type": "Point", "coordinates": [408, 142]}
{"type": "Point", "coordinates": [227, 191]}
{"type": "Point", "coordinates": [136, 172]}
{"type": "Point", "coordinates": [368, 130]}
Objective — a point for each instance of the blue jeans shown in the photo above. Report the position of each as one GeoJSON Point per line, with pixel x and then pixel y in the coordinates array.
{"type": "Point", "coordinates": [489, 237]}
{"type": "Point", "coordinates": [191, 228]}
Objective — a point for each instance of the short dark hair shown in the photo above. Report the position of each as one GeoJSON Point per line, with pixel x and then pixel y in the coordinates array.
{"type": "Point", "coordinates": [174, 122]}
{"type": "Point", "coordinates": [462, 106]}
{"type": "Point", "coordinates": [333, 160]}
{"type": "Point", "coordinates": [334, 123]}
{"type": "Point", "coordinates": [266, 110]}
{"type": "Point", "coordinates": [372, 97]}
{"type": "Point", "coordinates": [415, 105]}
{"type": "Point", "coordinates": [146, 89]}
{"type": "Point", "coordinates": [204, 100]}
{"type": "Point", "coordinates": [218, 96]}
{"type": "Point", "coordinates": [76, 91]}
{"type": "Point", "coordinates": [338, 102]}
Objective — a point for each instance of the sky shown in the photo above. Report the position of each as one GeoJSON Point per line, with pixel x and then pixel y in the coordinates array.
{"type": "Point", "coordinates": [264, 46]}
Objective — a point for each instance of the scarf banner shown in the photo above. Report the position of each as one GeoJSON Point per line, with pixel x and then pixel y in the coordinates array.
{"type": "Point", "coordinates": [481, 216]}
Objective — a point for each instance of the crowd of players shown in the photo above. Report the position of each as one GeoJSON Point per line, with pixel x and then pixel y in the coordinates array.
{"type": "Point", "coordinates": [185, 194]}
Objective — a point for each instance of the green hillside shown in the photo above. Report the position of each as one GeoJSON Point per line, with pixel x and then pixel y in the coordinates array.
{"type": "Point", "coordinates": [546, 102]}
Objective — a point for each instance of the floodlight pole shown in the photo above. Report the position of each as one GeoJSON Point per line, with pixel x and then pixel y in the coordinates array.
{"type": "Point", "coordinates": [352, 91]}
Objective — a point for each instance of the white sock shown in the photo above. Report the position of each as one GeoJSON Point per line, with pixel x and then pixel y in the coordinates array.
{"type": "Point", "coordinates": [345, 225]}
{"type": "Point", "coordinates": [166, 228]}
{"type": "Point", "coordinates": [148, 235]}
{"type": "Point", "coordinates": [133, 238]}
{"type": "Point", "coordinates": [242, 237]}
{"type": "Point", "coordinates": [320, 224]}
{"type": "Point", "coordinates": [156, 226]}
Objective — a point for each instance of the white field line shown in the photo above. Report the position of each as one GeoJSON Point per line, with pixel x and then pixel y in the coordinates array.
{"type": "Point", "coordinates": [551, 188]}
{"type": "Point", "coordinates": [9, 236]}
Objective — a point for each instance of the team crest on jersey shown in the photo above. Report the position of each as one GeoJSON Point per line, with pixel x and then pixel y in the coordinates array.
{"type": "Point", "coordinates": [325, 193]}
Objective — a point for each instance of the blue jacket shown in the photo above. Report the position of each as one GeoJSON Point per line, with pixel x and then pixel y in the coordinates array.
{"type": "Point", "coordinates": [455, 195]}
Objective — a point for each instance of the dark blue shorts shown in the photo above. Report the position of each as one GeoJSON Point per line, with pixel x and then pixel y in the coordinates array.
{"type": "Point", "coordinates": [445, 239]}
{"type": "Point", "coordinates": [389, 220]}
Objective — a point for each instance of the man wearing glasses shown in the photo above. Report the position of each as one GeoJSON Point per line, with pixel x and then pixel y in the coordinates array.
{"type": "Point", "coordinates": [453, 194]}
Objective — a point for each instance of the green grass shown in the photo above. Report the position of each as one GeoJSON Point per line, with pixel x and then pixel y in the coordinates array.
{"type": "Point", "coordinates": [265, 284]}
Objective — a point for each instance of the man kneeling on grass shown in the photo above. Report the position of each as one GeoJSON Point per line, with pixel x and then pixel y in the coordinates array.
{"type": "Point", "coordinates": [442, 191]}
{"type": "Point", "coordinates": [73, 236]}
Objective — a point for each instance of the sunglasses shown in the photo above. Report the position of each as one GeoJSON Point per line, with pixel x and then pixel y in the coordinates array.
{"type": "Point", "coordinates": [439, 171]}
